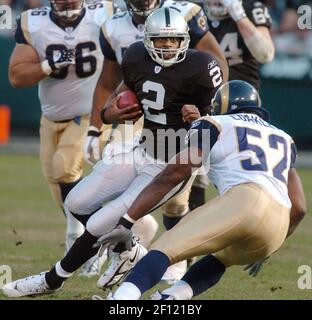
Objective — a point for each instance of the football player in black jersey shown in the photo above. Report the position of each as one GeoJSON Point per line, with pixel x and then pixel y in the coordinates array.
{"type": "Point", "coordinates": [126, 28]}
{"type": "Point", "coordinates": [242, 30]}
{"type": "Point", "coordinates": [166, 76]}
{"type": "Point", "coordinates": [117, 34]}
{"type": "Point", "coordinates": [164, 86]}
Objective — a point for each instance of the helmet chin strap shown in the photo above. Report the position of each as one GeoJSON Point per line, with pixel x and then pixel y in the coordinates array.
{"type": "Point", "coordinates": [158, 54]}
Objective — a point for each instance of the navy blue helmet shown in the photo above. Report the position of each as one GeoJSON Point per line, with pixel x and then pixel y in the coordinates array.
{"type": "Point", "coordinates": [143, 8]}
{"type": "Point", "coordinates": [238, 96]}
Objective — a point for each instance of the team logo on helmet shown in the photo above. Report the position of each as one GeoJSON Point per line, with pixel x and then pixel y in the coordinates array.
{"type": "Point", "coordinates": [202, 22]}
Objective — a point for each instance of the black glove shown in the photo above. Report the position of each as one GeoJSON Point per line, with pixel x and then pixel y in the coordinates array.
{"type": "Point", "coordinates": [61, 59]}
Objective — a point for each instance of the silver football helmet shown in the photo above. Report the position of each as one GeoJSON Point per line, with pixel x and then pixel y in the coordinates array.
{"type": "Point", "coordinates": [166, 23]}
{"type": "Point", "coordinates": [217, 10]}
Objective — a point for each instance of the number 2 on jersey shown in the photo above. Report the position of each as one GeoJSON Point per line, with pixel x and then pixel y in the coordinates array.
{"type": "Point", "coordinates": [156, 105]}
{"type": "Point", "coordinates": [273, 142]}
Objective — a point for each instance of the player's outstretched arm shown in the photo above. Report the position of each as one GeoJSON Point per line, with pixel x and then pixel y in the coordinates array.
{"type": "Point", "coordinates": [25, 68]}
{"type": "Point", "coordinates": [178, 169]}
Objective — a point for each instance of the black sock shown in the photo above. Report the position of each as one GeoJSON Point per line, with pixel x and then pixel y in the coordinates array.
{"type": "Point", "coordinates": [170, 222]}
{"type": "Point", "coordinates": [83, 218]}
{"type": "Point", "coordinates": [80, 252]}
{"type": "Point", "coordinates": [197, 197]}
{"type": "Point", "coordinates": [53, 280]}
{"type": "Point", "coordinates": [204, 274]}
{"type": "Point", "coordinates": [66, 187]}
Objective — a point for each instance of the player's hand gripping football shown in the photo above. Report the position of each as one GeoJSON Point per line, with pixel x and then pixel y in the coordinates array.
{"type": "Point", "coordinates": [61, 59]}
{"type": "Point", "coordinates": [120, 234]}
{"type": "Point", "coordinates": [254, 268]}
{"type": "Point", "coordinates": [114, 114]}
{"type": "Point", "coordinates": [190, 113]}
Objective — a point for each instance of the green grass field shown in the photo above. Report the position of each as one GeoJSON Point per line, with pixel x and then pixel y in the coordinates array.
{"type": "Point", "coordinates": [32, 240]}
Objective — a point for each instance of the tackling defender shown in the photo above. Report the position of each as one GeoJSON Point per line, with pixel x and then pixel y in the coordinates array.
{"type": "Point", "coordinates": [150, 70]}
{"type": "Point", "coordinates": [251, 164]}
{"type": "Point", "coordinates": [58, 48]}
{"type": "Point", "coordinates": [242, 28]}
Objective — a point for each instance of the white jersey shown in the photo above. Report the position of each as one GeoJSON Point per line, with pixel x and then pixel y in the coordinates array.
{"type": "Point", "coordinates": [67, 93]}
{"type": "Point", "coordinates": [120, 31]}
{"type": "Point", "coordinates": [248, 149]}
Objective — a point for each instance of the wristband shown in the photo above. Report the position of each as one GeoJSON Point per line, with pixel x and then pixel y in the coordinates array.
{"type": "Point", "coordinates": [94, 131]}
{"type": "Point", "coordinates": [45, 67]}
{"type": "Point", "coordinates": [126, 221]}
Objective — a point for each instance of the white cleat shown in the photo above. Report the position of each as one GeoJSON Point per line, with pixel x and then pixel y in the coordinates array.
{"type": "Point", "coordinates": [159, 296]}
{"type": "Point", "coordinates": [175, 272]}
{"type": "Point", "coordinates": [93, 266]}
{"type": "Point", "coordinates": [33, 285]}
{"type": "Point", "coordinates": [120, 265]}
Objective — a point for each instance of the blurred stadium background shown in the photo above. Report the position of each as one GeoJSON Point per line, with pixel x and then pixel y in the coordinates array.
{"type": "Point", "coordinates": [31, 228]}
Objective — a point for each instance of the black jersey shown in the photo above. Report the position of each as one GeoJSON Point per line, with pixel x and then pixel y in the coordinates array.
{"type": "Point", "coordinates": [163, 91]}
{"type": "Point", "coordinates": [242, 65]}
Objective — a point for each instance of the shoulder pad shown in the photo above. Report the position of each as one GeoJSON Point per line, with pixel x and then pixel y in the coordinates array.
{"type": "Point", "coordinates": [136, 52]}
{"type": "Point", "coordinates": [33, 20]}
{"type": "Point", "coordinates": [188, 9]}
{"type": "Point", "coordinates": [99, 11]}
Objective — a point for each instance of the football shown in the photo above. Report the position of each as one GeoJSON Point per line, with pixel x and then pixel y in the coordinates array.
{"type": "Point", "coordinates": [127, 98]}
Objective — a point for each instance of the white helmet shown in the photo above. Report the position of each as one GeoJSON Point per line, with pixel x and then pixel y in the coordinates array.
{"type": "Point", "coordinates": [166, 23]}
